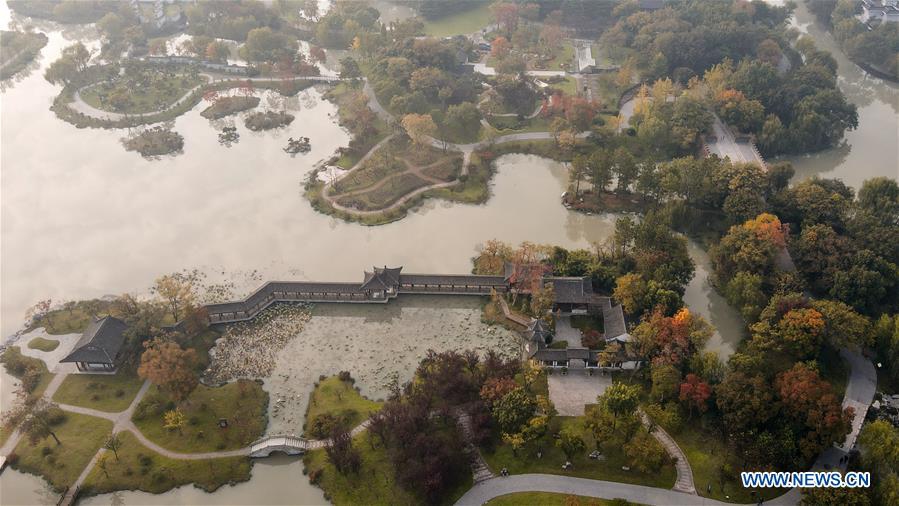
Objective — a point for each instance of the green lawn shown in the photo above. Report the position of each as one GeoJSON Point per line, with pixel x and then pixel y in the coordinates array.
{"type": "Point", "coordinates": [558, 345]}
{"type": "Point", "coordinates": [587, 322]}
{"type": "Point", "coordinates": [550, 499]}
{"type": "Point", "coordinates": [340, 399]}
{"type": "Point", "coordinates": [139, 468]}
{"type": "Point", "coordinates": [510, 125]}
{"type": "Point", "coordinates": [81, 436]}
{"type": "Point", "coordinates": [111, 393]}
{"type": "Point", "coordinates": [242, 403]}
{"type": "Point", "coordinates": [583, 467]}
{"type": "Point", "coordinates": [374, 484]}
{"type": "Point", "coordinates": [73, 318]}
{"type": "Point", "coordinates": [467, 21]}
{"type": "Point", "coordinates": [164, 92]}
{"type": "Point", "coordinates": [39, 343]}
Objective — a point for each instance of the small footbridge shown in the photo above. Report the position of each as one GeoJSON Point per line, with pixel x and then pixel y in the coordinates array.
{"type": "Point", "coordinates": [287, 444]}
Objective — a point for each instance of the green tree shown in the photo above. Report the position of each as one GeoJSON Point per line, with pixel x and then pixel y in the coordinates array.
{"type": "Point", "coordinates": [114, 444]}
{"type": "Point", "coordinates": [571, 442]}
{"type": "Point", "coordinates": [514, 410]}
{"type": "Point", "coordinates": [644, 453]}
{"type": "Point", "coordinates": [620, 400]}
{"type": "Point", "coordinates": [666, 380]}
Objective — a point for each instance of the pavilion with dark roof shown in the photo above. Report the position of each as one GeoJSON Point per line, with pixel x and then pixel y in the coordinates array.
{"type": "Point", "coordinates": [99, 347]}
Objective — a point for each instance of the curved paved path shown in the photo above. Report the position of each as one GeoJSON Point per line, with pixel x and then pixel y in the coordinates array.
{"type": "Point", "coordinates": [684, 482]}
{"type": "Point", "coordinates": [465, 149]}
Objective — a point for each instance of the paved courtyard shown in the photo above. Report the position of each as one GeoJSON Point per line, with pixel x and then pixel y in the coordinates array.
{"type": "Point", "coordinates": [571, 392]}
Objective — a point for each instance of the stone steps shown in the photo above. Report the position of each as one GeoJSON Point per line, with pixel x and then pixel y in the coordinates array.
{"type": "Point", "coordinates": [479, 469]}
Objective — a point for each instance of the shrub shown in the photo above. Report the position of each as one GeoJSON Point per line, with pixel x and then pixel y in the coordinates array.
{"type": "Point", "coordinates": [193, 420]}
{"type": "Point", "coordinates": [145, 460]}
{"type": "Point", "coordinates": [12, 458]}
{"type": "Point", "coordinates": [346, 377]}
{"type": "Point", "coordinates": [315, 476]}
{"type": "Point", "coordinates": [45, 450]}
{"type": "Point", "coordinates": [268, 120]}
{"type": "Point", "coordinates": [95, 397]}
{"type": "Point", "coordinates": [120, 393]}
{"type": "Point", "coordinates": [201, 435]}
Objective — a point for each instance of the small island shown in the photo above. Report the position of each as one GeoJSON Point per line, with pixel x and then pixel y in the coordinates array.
{"type": "Point", "coordinates": [155, 141]}
{"type": "Point", "coordinates": [226, 106]}
{"type": "Point", "coordinates": [268, 120]}
{"type": "Point", "coordinates": [17, 50]}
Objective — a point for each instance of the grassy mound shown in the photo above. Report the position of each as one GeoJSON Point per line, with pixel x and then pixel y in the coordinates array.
{"type": "Point", "coordinates": [335, 400]}
{"type": "Point", "coordinates": [227, 106]}
{"type": "Point", "coordinates": [155, 142]}
{"type": "Point", "coordinates": [39, 343]}
{"type": "Point", "coordinates": [268, 120]}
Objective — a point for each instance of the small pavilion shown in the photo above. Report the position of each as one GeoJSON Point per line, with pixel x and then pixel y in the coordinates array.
{"type": "Point", "coordinates": [99, 347]}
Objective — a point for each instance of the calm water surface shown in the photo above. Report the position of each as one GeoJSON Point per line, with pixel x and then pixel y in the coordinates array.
{"type": "Point", "coordinates": [81, 217]}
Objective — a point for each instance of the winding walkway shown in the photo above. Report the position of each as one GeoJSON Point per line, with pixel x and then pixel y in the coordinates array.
{"type": "Point", "coordinates": [465, 149]}
{"type": "Point", "coordinates": [79, 105]}
{"type": "Point", "coordinates": [684, 481]}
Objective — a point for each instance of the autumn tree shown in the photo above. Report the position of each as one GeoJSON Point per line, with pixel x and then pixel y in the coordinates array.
{"type": "Point", "coordinates": [811, 402]}
{"type": "Point", "coordinates": [620, 400]}
{"type": "Point", "coordinates": [170, 367]}
{"type": "Point", "coordinates": [492, 256]}
{"type": "Point", "coordinates": [513, 410]}
{"type": "Point", "coordinates": [645, 453]}
{"type": "Point", "coordinates": [178, 291]}
{"type": "Point", "coordinates": [173, 420]}
{"type": "Point", "coordinates": [695, 393]}
{"type": "Point", "coordinates": [495, 389]}
{"type": "Point", "coordinates": [420, 128]}
{"type": "Point", "coordinates": [341, 453]}
{"type": "Point", "coordinates": [672, 340]}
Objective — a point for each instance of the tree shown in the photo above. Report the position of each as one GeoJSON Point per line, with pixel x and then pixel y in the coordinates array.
{"type": "Point", "coordinates": [620, 399]}
{"type": "Point", "coordinates": [542, 301]}
{"type": "Point", "coordinates": [42, 416]}
{"type": "Point", "coordinates": [178, 290]}
{"type": "Point", "coordinates": [506, 15]}
{"type": "Point", "coordinates": [695, 393]}
{"type": "Point", "coordinates": [665, 381]}
{"type": "Point", "coordinates": [810, 401]}
{"type": "Point", "coordinates": [500, 48]}
{"type": "Point", "coordinates": [61, 71]}
{"type": "Point", "coordinates": [420, 128]}
{"type": "Point", "coordinates": [341, 453]}
{"type": "Point", "coordinates": [645, 453]}
{"type": "Point", "coordinates": [513, 410]}
{"type": "Point", "coordinates": [349, 69]}
{"type": "Point", "coordinates": [170, 367]}
{"type": "Point", "coordinates": [744, 291]}
{"type": "Point", "coordinates": [495, 389]}
{"type": "Point", "coordinates": [578, 171]}
{"type": "Point", "coordinates": [114, 444]}
{"type": "Point", "coordinates": [218, 51]}
{"type": "Point", "coordinates": [265, 45]}
{"type": "Point", "coordinates": [843, 326]}
{"type": "Point", "coordinates": [571, 442]}
{"type": "Point", "coordinates": [462, 120]}
{"type": "Point", "coordinates": [834, 496]}
{"type": "Point", "coordinates": [173, 419]}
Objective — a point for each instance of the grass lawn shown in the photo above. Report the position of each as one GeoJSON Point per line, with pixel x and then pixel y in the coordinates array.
{"type": "Point", "coordinates": [71, 319]}
{"type": "Point", "coordinates": [105, 393]}
{"type": "Point", "coordinates": [558, 345]}
{"type": "Point", "coordinates": [39, 343]}
{"type": "Point", "coordinates": [16, 364]}
{"type": "Point", "coordinates": [340, 398]}
{"type": "Point", "coordinates": [508, 125]}
{"type": "Point", "coordinates": [467, 21]}
{"type": "Point", "coordinates": [242, 403]}
{"type": "Point", "coordinates": [568, 86]}
{"type": "Point", "coordinates": [550, 499]}
{"type": "Point", "coordinates": [707, 455]}
{"type": "Point", "coordinates": [164, 92]}
{"type": "Point", "coordinates": [140, 468]}
{"type": "Point", "coordinates": [375, 482]}
{"type": "Point", "coordinates": [563, 59]}
{"type": "Point", "coordinates": [583, 467]}
{"type": "Point", "coordinates": [80, 435]}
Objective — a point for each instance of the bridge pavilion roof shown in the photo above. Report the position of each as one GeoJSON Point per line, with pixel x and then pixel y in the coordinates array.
{"type": "Point", "coordinates": [382, 277]}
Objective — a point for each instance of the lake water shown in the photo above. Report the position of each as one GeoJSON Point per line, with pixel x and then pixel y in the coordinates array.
{"type": "Point", "coordinates": [81, 217]}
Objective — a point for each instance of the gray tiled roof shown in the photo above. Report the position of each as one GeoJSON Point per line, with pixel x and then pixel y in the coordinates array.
{"type": "Point", "coordinates": [572, 290]}
{"type": "Point", "coordinates": [282, 286]}
{"type": "Point", "coordinates": [459, 280]}
{"type": "Point", "coordinates": [381, 277]}
{"type": "Point", "coordinates": [537, 331]}
{"type": "Point", "coordinates": [550, 354]}
{"type": "Point", "coordinates": [613, 321]}
{"type": "Point", "coordinates": [100, 343]}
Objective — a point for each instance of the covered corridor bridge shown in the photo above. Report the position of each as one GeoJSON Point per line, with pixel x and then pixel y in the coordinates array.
{"type": "Point", "coordinates": [378, 286]}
